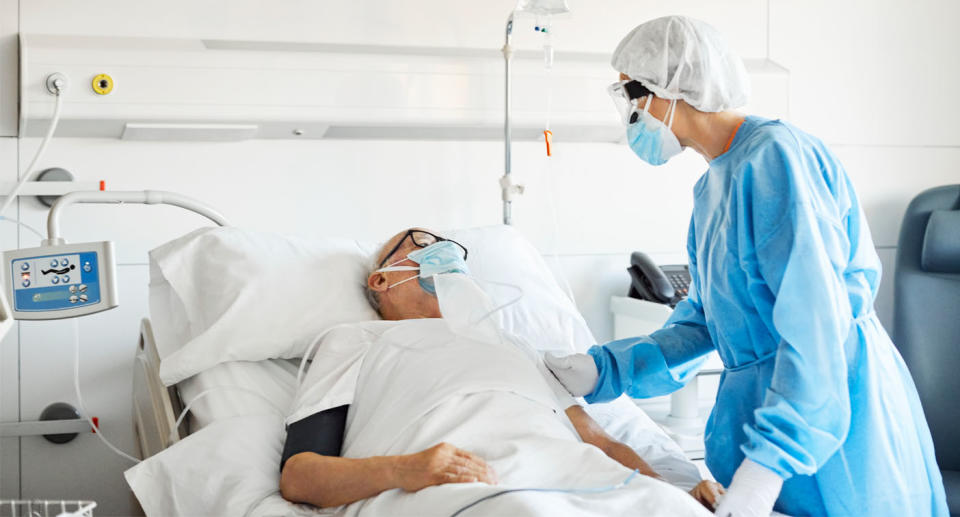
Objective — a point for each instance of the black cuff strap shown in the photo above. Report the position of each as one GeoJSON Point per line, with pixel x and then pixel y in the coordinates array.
{"type": "Point", "coordinates": [321, 433]}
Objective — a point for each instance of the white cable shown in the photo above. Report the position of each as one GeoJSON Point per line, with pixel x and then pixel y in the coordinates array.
{"type": "Point", "coordinates": [25, 225]}
{"type": "Point", "coordinates": [27, 174]}
{"type": "Point", "coordinates": [310, 349]}
{"type": "Point", "coordinates": [76, 386]}
{"type": "Point", "coordinates": [208, 391]}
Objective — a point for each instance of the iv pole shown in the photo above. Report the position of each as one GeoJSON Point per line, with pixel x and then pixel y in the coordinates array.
{"type": "Point", "coordinates": [509, 189]}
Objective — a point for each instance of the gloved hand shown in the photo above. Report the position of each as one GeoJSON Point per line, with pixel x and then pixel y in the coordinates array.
{"type": "Point", "coordinates": [577, 372]}
{"type": "Point", "coordinates": [752, 492]}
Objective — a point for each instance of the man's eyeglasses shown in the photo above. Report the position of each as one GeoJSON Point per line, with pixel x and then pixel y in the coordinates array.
{"type": "Point", "coordinates": [422, 239]}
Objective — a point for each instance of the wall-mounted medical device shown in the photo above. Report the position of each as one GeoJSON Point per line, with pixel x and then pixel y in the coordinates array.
{"type": "Point", "coordinates": [59, 280]}
{"type": "Point", "coordinates": [52, 282]}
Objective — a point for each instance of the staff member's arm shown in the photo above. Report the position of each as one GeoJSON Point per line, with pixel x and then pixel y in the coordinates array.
{"type": "Point", "coordinates": [645, 366]}
{"type": "Point", "coordinates": [801, 250]}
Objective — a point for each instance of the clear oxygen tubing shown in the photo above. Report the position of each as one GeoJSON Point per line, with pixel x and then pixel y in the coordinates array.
{"type": "Point", "coordinates": [502, 306]}
{"type": "Point", "coordinates": [76, 387]}
{"type": "Point", "coordinates": [316, 341]}
{"type": "Point", "coordinates": [311, 348]}
{"type": "Point", "coordinates": [28, 173]}
{"type": "Point", "coordinates": [204, 393]}
{"type": "Point", "coordinates": [599, 490]}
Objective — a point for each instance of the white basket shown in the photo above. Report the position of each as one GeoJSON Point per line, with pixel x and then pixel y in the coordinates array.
{"type": "Point", "coordinates": [46, 508]}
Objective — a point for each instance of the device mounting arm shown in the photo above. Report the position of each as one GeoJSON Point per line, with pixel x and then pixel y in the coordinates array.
{"type": "Point", "coordinates": [146, 197]}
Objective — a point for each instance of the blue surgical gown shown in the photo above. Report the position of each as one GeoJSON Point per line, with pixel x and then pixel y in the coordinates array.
{"type": "Point", "coordinates": [784, 275]}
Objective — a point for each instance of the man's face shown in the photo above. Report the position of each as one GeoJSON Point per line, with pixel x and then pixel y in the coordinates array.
{"type": "Point", "coordinates": [407, 300]}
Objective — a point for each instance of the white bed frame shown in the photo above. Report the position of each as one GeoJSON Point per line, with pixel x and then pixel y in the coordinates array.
{"type": "Point", "coordinates": [155, 406]}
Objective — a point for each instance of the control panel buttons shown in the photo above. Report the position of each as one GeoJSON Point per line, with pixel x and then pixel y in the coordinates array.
{"type": "Point", "coordinates": [55, 280]}
{"type": "Point", "coordinates": [83, 297]}
{"type": "Point", "coordinates": [73, 298]}
{"type": "Point", "coordinates": [83, 288]}
{"type": "Point", "coordinates": [25, 283]}
{"type": "Point", "coordinates": [54, 263]}
{"type": "Point", "coordinates": [66, 279]}
{"type": "Point", "coordinates": [64, 262]}
{"type": "Point", "coordinates": [86, 267]}
{"type": "Point", "coordinates": [24, 266]}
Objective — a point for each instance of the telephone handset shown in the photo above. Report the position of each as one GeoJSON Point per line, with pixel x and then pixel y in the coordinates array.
{"type": "Point", "coordinates": [659, 284]}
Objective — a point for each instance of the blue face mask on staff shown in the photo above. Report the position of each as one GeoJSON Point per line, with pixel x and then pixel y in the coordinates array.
{"type": "Point", "coordinates": [435, 259]}
{"type": "Point", "coordinates": [652, 140]}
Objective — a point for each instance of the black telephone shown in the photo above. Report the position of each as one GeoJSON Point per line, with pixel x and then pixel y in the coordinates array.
{"type": "Point", "coordinates": [659, 284]}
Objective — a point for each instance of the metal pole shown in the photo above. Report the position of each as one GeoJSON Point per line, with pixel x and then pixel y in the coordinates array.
{"type": "Point", "coordinates": [507, 133]}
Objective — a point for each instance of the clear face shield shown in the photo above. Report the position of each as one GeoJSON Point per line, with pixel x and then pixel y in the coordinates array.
{"type": "Point", "coordinates": [624, 95]}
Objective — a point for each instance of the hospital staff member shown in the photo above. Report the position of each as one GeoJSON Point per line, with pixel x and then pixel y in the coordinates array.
{"type": "Point", "coordinates": [816, 413]}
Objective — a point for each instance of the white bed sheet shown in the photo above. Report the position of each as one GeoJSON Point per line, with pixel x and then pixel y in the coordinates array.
{"type": "Point", "coordinates": [243, 422]}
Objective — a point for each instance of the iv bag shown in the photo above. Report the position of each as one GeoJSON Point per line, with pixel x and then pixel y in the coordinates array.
{"type": "Point", "coordinates": [542, 7]}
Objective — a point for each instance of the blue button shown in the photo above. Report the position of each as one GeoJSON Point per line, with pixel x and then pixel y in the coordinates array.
{"type": "Point", "coordinates": [25, 266]}
{"type": "Point", "coordinates": [66, 279]}
{"type": "Point", "coordinates": [55, 280]}
{"type": "Point", "coordinates": [54, 263]}
{"type": "Point", "coordinates": [26, 283]}
{"type": "Point", "coordinates": [63, 261]}
{"type": "Point", "coordinates": [86, 267]}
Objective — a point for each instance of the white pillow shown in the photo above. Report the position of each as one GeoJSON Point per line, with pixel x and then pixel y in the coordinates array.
{"type": "Point", "coordinates": [226, 468]}
{"type": "Point", "coordinates": [544, 317]}
{"type": "Point", "coordinates": [227, 294]}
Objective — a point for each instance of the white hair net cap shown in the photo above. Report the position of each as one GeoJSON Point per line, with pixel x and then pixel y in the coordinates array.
{"type": "Point", "coordinates": [677, 57]}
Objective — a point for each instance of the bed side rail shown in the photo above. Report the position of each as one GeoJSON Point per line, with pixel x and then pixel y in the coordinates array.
{"type": "Point", "coordinates": [155, 406]}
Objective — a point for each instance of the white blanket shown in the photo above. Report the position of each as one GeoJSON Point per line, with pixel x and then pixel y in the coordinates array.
{"type": "Point", "coordinates": [414, 384]}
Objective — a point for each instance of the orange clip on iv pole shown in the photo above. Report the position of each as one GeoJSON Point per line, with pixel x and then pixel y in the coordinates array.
{"type": "Point", "coordinates": [548, 139]}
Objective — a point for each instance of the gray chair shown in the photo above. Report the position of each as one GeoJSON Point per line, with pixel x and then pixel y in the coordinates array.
{"type": "Point", "coordinates": [926, 326]}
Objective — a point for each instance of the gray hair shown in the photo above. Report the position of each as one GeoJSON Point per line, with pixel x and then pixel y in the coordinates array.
{"type": "Point", "coordinates": [373, 297]}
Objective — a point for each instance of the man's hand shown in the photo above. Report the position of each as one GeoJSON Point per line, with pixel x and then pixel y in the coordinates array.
{"type": "Point", "coordinates": [440, 464]}
{"type": "Point", "coordinates": [708, 493]}
{"type": "Point", "coordinates": [577, 372]}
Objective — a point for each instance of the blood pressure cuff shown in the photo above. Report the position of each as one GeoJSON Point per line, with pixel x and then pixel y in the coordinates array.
{"type": "Point", "coordinates": [321, 433]}
{"type": "Point", "coordinates": [941, 242]}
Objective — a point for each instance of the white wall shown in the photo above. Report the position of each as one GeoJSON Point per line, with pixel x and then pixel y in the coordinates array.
{"type": "Point", "coordinates": [890, 125]}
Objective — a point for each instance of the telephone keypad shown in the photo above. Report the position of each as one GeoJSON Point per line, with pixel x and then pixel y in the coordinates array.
{"type": "Point", "coordinates": [681, 284]}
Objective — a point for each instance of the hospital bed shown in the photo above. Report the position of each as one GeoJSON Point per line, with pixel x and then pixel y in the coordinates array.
{"type": "Point", "coordinates": [239, 432]}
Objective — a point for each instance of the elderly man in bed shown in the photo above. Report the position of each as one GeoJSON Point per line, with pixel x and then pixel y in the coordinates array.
{"type": "Point", "coordinates": [313, 470]}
